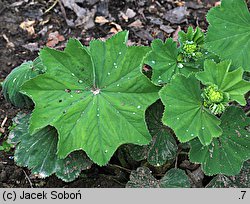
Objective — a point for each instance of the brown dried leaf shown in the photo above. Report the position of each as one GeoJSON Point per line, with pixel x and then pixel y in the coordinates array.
{"type": "Point", "coordinates": [130, 13]}
{"type": "Point", "coordinates": [136, 24]}
{"type": "Point", "coordinates": [124, 16]}
{"type": "Point", "coordinates": [31, 46]}
{"type": "Point", "coordinates": [167, 28]}
{"type": "Point", "coordinates": [54, 38]}
{"type": "Point", "coordinates": [177, 15]}
{"type": "Point", "coordinates": [101, 20]}
{"type": "Point", "coordinates": [9, 43]}
{"type": "Point", "coordinates": [218, 3]}
{"type": "Point", "coordinates": [117, 28]}
{"type": "Point", "coordinates": [28, 26]}
{"type": "Point", "coordinates": [175, 34]}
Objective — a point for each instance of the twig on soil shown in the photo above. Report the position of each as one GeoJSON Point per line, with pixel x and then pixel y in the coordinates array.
{"type": "Point", "coordinates": [176, 161]}
{"type": "Point", "coordinates": [120, 167]}
{"type": "Point", "coordinates": [69, 23]}
{"type": "Point", "coordinates": [26, 176]}
{"type": "Point", "coordinates": [2, 129]}
{"type": "Point", "coordinates": [4, 121]}
{"type": "Point", "coordinates": [52, 6]}
{"type": "Point", "coordinates": [117, 181]}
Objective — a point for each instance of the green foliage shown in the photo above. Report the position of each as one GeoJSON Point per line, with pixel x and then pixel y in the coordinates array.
{"type": "Point", "coordinates": [163, 147]}
{"type": "Point", "coordinates": [226, 154]}
{"type": "Point", "coordinates": [164, 61]}
{"type": "Point", "coordinates": [191, 44]}
{"type": "Point", "coordinates": [14, 81]}
{"type": "Point", "coordinates": [142, 178]}
{"type": "Point", "coordinates": [38, 152]}
{"type": "Point", "coordinates": [96, 99]}
{"type": "Point", "coordinates": [168, 59]}
{"type": "Point", "coordinates": [213, 99]}
{"type": "Point", "coordinates": [5, 146]}
{"type": "Point", "coordinates": [190, 110]}
{"type": "Point", "coordinates": [241, 180]}
{"type": "Point", "coordinates": [230, 83]}
{"type": "Point", "coordinates": [228, 32]}
{"type": "Point", "coordinates": [185, 113]}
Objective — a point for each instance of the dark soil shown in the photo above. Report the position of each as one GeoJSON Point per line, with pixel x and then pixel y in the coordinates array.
{"type": "Point", "coordinates": [14, 39]}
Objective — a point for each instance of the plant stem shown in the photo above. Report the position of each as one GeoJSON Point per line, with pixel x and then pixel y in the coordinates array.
{"type": "Point", "coordinates": [53, 5]}
{"type": "Point", "coordinates": [120, 167]}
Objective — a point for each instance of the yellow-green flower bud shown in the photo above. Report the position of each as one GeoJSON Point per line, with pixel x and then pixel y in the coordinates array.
{"type": "Point", "coordinates": [190, 48]}
{"type": "Point", "coordinates": [213, 94]}
{"type": "Point", "coordinates": [214, 99]}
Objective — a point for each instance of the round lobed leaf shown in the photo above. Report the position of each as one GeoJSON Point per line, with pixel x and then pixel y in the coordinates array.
{"type": "Point", "coordinates": [226, 154]}
{"type": "Point", "coordinates": [163, 147]}
{"type": "Point", "coordinates": [228, 32]}
{"type": "Point", "coordinates": [38, 152]}
{"type": "Point", "coordinates": [14, 81]}
{"type": "Point", "coordinates": [185, 113]}
{"type": "Point", "coordinates": [241, 180]}
{"type": "Point", "coordinates": [228, 82]}
{"type": "Point", "coordinates": [164, 62]}
{"type": "Point", "coordinates": [142, 178]}
{"type": "Point", "coordinates": [96, 99]}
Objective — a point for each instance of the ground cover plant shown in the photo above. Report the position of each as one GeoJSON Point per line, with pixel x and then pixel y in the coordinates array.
{"type": "Point", "coordinates": [87, 105]}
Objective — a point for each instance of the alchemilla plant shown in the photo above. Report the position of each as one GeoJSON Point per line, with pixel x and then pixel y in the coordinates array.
{"type": "Point", "coordinates": [86, 102]}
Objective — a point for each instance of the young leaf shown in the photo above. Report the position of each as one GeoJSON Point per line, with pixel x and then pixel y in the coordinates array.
{"type": "Point", "coordinates": [191, 44]}
{"type": "Point", "coordinates": [226, 154]}
{"type": "Point", "coordinates": [163, 146]}
{"type": "Point", "coordinates": [184, 111]}
{"type": "Point", "coordinates": [142, 178]}
{"type": "Point", "coordinates": [14, 81]}
{"type": "Point", "coordinates": [241, 180]}
{"type": "Point", "coordinates": [228, 32]}
{"type": "Point", "coordinates": [163, 60]}
{"type": "Point", "coordinates": [228, 82]}
{"type": "Point", "coordinates": [95, 99]}
{"type": "Point", "coordinates": [38, 152]}
{"type": "Point", "coordinates": [196, 36]}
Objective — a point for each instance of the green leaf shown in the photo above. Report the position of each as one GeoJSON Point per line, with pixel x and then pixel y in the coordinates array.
{"type": "Point", "coordinates": [197, 36]}
{"type": "Point", "coordinates": [5, 146]}
{"type": "Point", "coordinates": [142, 178]}
{"type": "Point", "coordinates": [95, 99]}
{"type": "Point", "coordinates": [226, 154]}
{"type": "Point", "coordinates": [241, 180]}
{"type": "Point", "coordinates": [228, 82]}
{"type": "Point", "coordinates": [175, 178]}
{"type": "Point", "coordinates": [184, 111]}
{"type": "Point", "coordinates": [14, 81]}
{"type": "Point", "coordinates": [163, 60]}
{"type": "Point", "coordinates": [38, 65]}
{"type": "Point", "coordinates": [228, 32]}
{"type": "Point", "coordinates": [163, 147]}
{"type": "Point", "coordinates": [38, 152]}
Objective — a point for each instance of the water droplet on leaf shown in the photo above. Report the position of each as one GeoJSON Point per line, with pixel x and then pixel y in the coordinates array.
{"type": "Point", "coordinates": [180, 65]}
